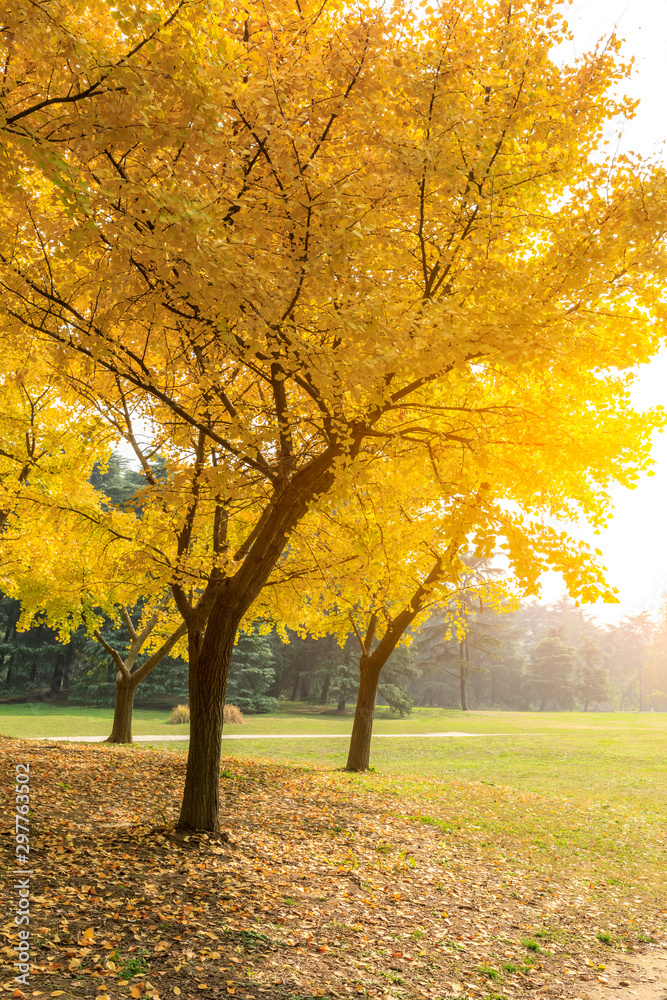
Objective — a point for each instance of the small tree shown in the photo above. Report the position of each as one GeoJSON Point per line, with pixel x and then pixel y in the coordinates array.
{"type": "Point", "coordinates": [130, 673]}
{"type": "Point", "coordinates": [398, 673]}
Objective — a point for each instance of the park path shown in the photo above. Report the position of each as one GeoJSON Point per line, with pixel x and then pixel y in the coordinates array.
{"type": "Point", "coordinates": [639, 977]}
{"type": "Point", "coordinates": [279, 736]}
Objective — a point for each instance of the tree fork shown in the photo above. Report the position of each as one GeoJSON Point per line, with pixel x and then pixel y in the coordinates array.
{"type": "Point", "coordinates": [371, 664]}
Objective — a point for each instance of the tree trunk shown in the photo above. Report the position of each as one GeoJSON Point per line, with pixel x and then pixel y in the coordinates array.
{"type": "Point", "coordinates": [296, 689]}
{"type": "Point", "coordinates": [641, 686]}
{"type": "Point", "coordinates": [341, 705]}
{"type": "Point", "coordinates": [463, 684]}
{"type": "Point", "coordinates": [325, 689]}
{"type": "Point", "coordinates": [57, 676]}
{"type": "Point", "coordinates": [65, 679]}
{"type": "Point", "coordinates": [210, 652]}
{"type": "Point", "coordinates": [121, 731]}
{"type": "Point", "coordinates": [359, 756]}
{"type": "Point", "coordinates": [463, 674]}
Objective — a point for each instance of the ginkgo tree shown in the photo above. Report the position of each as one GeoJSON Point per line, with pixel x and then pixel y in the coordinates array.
{"type": "Point", "coordinates": [64, 552]}
{"type": "Point", "coordinates": [388, 550]}
{"type": "Point", "coordinates": [283, 236]}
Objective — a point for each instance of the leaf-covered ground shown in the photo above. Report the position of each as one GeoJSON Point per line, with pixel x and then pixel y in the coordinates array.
{"type": "Point", "coordinates": [328, 885]}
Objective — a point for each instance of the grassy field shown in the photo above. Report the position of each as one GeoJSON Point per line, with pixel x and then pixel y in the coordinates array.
{"type": "Point", "coordinates": [567, 795]}
{"type": "Point", "coordinates": [611, 759]}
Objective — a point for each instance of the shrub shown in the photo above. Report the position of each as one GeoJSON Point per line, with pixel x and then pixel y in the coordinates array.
{"type": "Point", "coordinates": [179, 714]}
{"type": "Point", "coordinates": [231, 715]}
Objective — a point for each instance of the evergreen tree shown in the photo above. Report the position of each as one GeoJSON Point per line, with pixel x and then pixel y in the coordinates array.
{"type": "Point", "coordinates": [34, 658]}
{"type": "Point", "coordinates": [593, 681]}
{"type": "Point", "coordinates": [552, 665]}
{"type": "Point", "coordinates": [251, 674]}
{"type": "Point", "coordinates": [656, 664]}
{"type": "Point", "coordinates": [345, 677]}
{"type": "Point", "coordinates": [119, 480]}
{"type": "Point", "coordinates": [397, 675]}
{"type": "Point", "coordinates": [95, 682]}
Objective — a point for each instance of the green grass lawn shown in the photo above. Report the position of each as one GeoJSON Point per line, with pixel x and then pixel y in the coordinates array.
{"type": "Point", "coordinates": [609, 758]}
{"type": "Point", "coordinates": [585, 792]}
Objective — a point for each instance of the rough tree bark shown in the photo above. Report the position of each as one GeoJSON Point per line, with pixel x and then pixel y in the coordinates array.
{"type": "Point", "coordinates": [324, 694]}
{"type": "Point", "coordinates": [57, 676]}
{"type": "Point", "coordinates": [121, 729]}
{"type": "Point", "coordinates": [210, 650]}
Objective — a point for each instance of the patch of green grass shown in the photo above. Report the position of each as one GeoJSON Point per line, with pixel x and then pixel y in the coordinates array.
{"type": "Point", "coordinates": [604, 937]}
{"type": "Point", "coordinates": [510, 967]}
{"type": "Point", "coordinates": [249, 939]}
{"type": "Point", "coordinates": [134, 966]}
{"type": "Point", "coordinates": [488, 972]}
{"type": "Point", "coordinates": [530, 944]}
{"type": "Point", "coordinates": [614, 759]}
{"type": "Point", "coordinates": [34, 719]}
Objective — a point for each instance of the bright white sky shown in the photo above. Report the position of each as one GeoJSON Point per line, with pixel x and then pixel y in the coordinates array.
{"type": "Point", "coordinates": [634, 546]}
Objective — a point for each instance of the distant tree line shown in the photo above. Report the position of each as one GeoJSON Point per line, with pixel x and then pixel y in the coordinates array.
{"type": "Point", "coordinates": [473, 655]}
{"type": "Point", "coordinates": [551, 658]}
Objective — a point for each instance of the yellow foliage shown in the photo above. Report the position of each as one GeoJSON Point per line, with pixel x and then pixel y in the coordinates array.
{"type": "Point", "coordinates": [354, 274]}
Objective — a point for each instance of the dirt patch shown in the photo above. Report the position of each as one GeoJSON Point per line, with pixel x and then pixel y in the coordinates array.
{"type": "Point", "coordinates": [640, 977]}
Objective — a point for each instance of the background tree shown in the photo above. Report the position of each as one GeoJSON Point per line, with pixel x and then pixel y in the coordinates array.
{"type": "Point", "coordinates": [251, 673]}
{"type": "Point", "coordinates": [656, 662]}
{"type": "Point", "coordinates": [594, 685]}
{"type": "Point", "coordinates": [639, 629]}
{"type": "Point", "coordinates": [458, 636]}
{"type": "Point", "coordinates": [552, 665]}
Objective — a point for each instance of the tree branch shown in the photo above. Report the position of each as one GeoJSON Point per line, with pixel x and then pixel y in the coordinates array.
{"type": "Point", "coordinates": [114, 654]}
